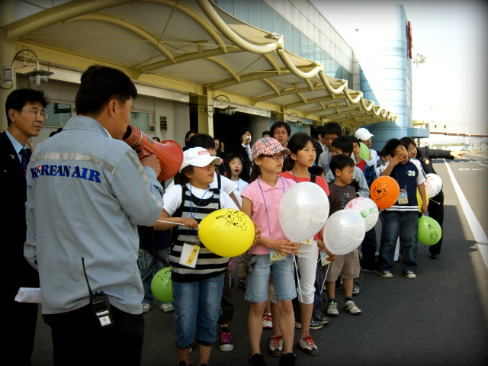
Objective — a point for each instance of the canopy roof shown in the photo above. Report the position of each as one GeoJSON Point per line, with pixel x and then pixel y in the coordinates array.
{"type": "Point", "coordinates": [194, 47]}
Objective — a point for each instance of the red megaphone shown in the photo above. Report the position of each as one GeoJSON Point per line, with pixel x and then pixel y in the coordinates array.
{"type": "Point", "coordinates": [169, 153]}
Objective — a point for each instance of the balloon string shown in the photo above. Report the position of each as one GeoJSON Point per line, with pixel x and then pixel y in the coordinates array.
{"type": "Point", "coordinates": [299, 289]}
{"type": "Point", "coordinates": [169, 222]}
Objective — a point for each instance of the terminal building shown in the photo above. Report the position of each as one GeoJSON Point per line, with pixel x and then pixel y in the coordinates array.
{"type": "Point", "coordinates": [214, 66]}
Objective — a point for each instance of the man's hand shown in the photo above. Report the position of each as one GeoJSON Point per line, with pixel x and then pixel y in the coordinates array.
{"type": "Point", "coordinates": [152, 162]}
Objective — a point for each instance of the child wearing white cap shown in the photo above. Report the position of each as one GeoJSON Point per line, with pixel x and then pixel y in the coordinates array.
{"type": "Point", "coordinates": [196, 279]}
{"type": "Point", "coordinates": [363, 135]}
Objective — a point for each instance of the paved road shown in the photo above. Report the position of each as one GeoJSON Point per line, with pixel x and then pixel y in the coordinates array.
{"type": "Point", "coordinates": [440, 318]}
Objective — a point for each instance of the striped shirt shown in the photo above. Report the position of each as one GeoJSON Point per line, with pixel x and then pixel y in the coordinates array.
{"type": "Point", "coordinates": [208, 264]}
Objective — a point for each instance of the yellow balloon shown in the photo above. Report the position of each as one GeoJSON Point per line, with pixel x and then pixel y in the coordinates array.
{"type": "Point", "coordinates": [419, 200]}
{"type": "Point", "coordinates": [227, 232]}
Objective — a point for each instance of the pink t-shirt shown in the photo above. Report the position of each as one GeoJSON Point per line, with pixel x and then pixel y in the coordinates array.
{"type": "Point", "coordinates": [318, 180]}
{"type": "Point", "coordinates": [272, 197]}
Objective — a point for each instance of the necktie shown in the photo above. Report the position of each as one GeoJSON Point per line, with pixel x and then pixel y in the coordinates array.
{"type": "Point", "coordinates": [24, 158]}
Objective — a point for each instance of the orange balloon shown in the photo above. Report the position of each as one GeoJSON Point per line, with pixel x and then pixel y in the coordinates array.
{"type": "Point", "coordinates": [384, 192]}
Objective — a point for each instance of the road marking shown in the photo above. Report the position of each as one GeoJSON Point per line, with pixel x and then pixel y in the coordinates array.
{"type": "Point", "coordinates": [464, 169]}
{"type": "Point", "coordinates": [480, 163]}
{"type": "Point", "coordinates": [474, 224]}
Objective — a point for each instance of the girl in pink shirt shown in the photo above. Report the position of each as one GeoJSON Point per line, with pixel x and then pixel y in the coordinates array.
{"type": "Point", "coordinates": [273, 253]}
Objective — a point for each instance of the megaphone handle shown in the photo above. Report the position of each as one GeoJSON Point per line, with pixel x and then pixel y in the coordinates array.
{"type": "Point", "coordinates": [142, 152]}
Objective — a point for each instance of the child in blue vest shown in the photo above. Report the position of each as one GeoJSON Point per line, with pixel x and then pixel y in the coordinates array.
{"type": "Point", "coordinates": [401, 219]}
{"type": "Point", "coordinates": [197, 279]}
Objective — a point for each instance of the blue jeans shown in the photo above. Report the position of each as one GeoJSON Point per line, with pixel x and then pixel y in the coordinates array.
{"type": "Point", "coordinates": [197, 307]}
{"type": "Point", "coordinates": [149, 266]}
{"type": "Point", "coordinates": [404, 225]}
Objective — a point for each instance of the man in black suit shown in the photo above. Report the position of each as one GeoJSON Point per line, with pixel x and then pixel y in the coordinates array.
{"type": "Point", "coordinates": [245, 150]}
{"type": "Point", "coordinates": [25, 118]}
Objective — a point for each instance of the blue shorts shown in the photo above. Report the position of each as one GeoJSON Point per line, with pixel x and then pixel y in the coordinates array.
{"type": "Point", "coordinates": [197, 310]}
{"type": "Point", "coordinates": [283, 277]}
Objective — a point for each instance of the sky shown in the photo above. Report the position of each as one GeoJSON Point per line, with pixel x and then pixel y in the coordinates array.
{"type": "Point", "coordinates": [452, 85]}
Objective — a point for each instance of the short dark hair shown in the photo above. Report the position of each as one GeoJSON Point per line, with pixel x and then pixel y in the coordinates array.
{"type": "Point", "coordinates": [202, 140]}
{"type": "Point", "coordinates": [331, 128]}
{"type": "Point", "coordinates": [17, 99]}
{"type": "Point", "coordinates": [344, 143]}
{"type": "Point", "coordinates": [407, 141]}
{"type": "Point", "coordinates": [391, 146]}
{"type": "Point", "coordinates": [100, 84]}
{"type": "Point", "coordinates": [354, 139]}
{"type": "Point", "coordinates": [264, 133]}
{"type": "Point", "coordinates": [229, 157]}
{"type": "Point", "coordinates": [243, 130]}
{"type": "Point", "coordinates": [296, 143]}
{"type": "Point", "coordinates": [278, 124]}
{"type": "Point", "coordinates": [340, 162]}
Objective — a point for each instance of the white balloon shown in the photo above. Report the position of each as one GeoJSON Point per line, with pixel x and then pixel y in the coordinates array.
{"type": "Point", "coordinates": [343, 232]}
{"type": "Point", "coordinates": [303, 210]}
{"type": "Point", "coordinates": [367, 209]}
{"type": "Point", "coordinates": [433, 185]}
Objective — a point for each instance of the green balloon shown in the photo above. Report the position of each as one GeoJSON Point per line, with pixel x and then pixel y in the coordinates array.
{"type": "Point", "coordinates": [161, 285]}
{"type": "Point", "coordinates": [363, 151]}
{"type": "Point", "coordinates": [430, 231]}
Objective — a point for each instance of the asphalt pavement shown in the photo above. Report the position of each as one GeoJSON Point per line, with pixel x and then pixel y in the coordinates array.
{"type": "Point", "coordinates": [439, 318]}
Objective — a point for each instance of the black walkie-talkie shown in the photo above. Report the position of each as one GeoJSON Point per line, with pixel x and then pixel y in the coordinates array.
{"type": "Point", "coordinates": [99, 303]}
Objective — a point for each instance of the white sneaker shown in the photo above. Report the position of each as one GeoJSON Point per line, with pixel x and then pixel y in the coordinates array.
{"type": "Point", "coordinates": [167, 307]}
{"type": "Point", "coordinates": [267, 321]}
{"type": "Point", "coordinates": [146, 307]}
{"type": "Point", "coordinates": [332, 309]}
{"type": "Point", "coordinates": [410, 274]}
{"type": "Point", "coordinates": [351, 308]}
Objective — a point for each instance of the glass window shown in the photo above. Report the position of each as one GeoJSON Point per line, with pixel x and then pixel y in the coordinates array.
{"type": "Point", "coordinates": [140, 120]}
{"type": "Point", "coordinates": [288, 33]}
{"type": "Point", "coordinates": [297, 41]}
{"type": "Point", "coordinates": [268, 18]}
{"type": "Point", "coordinates": [278, 24]}
{"type": "Point", "coordinates": [241, 9]}
{"type": "Point", "coordinates": [58, 114]}
{"type": "Point", "coordinates": [256, 13]}
{"type": "Point", "coordinates": [226, 5]}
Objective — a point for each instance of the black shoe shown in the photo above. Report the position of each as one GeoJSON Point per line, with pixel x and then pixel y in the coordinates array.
{"type": "Point", "coordinates": [434, 256]}
{"type": "Point", "coordinates": [288, 359]}
{"type": "Point", "coordinates": [257, 359]}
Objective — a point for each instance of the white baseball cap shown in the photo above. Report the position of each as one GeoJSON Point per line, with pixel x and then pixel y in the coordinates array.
{"type": "Point", "coordinates": [363, 134]}
{"type": "Point", "coordinates": [198, 156]}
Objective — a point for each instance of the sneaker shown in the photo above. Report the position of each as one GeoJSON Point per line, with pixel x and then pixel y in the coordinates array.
{"type": "Point", "coordinates": [242, 284]}
{"type": "Point", "coordinates": [385, 274]}
{"type": "Point", "coordinates": [298, 324]}
{"type": "Point", "coordinates": [267, 321]}
{"type": "Point", "coordinates": [167, 307]}
{"type": "Point", "coordinates": [315, 325]}
{"type": "Point", "coordinates": [355, 291]}
{"type": "Point", "coordinates": [322, 319]}
{"type": "Point", "coordinates": [307, 345]}
{"type": "Point", "coordinates": [332, 309]}
{"type": "Point", "coordinates": [288, 359]}
{"type": "Point", "coordinates": [257, 359]}
{"type": "Point", "coordinates": [366, 269]}
{"type": "Point", "coordinates": [275, 347]}
{"type": "Point", "coordinates": [434, 256]}
{"type": "Point", "coordinates": [226, 340]}
{"type": "Point", "coordinates": [410, 274]}
{"type": "Point", "coordinates": [351, 308]}
{"type": "Point", "coordinates": [146, 307]}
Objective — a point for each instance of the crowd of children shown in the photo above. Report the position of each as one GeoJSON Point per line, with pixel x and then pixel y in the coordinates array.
{"type": "Point", "coordinates": [282, 280]}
